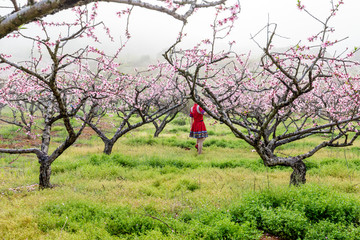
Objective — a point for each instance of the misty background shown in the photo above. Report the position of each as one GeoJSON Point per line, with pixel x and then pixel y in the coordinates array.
{"type": "Point", "coordinates": [153, 32]}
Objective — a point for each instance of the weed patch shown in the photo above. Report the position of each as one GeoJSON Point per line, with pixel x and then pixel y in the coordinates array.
{"type": "Point", "coordinates": [298, 212]}
{"type": "Point", "coordinates": [78, 216]}
{"type": "Point", "coordinates": [255, 165]}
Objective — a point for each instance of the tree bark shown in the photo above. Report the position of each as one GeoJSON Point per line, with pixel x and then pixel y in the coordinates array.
{"type": "Point", "coordinates": [108, 147]}
{"type": "Point", "coordinates": [40, 9]}
{"type": "Point", "coordinates": [298, 175]}
{"type": "Point", "coordinates": [157, 132]}
{"type": "Point", "coordinates": [159, 129]}
{"type": "Point", "coordinates": [45, 173]}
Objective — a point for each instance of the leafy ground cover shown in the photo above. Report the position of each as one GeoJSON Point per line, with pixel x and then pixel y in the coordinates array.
{"type": "Point", "coordinates": [159, 188]}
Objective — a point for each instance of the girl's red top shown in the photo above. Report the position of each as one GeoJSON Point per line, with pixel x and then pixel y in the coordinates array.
{"type": "Point", "coordinates": [198, 125]}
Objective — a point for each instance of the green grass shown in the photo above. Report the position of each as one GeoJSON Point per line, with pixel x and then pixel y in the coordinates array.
{"type": "Point", "coordinates": [10, 132]}
{"type": "Point", "coordinates": [159, 188]}
{"type": "Point", "coordinates": [309, 212]}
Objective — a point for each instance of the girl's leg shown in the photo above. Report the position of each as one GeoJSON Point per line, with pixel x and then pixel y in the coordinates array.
{"type": "Point", "coordinates": [197, 144]}
{"type": "Point", "coordinates": [200, 144]}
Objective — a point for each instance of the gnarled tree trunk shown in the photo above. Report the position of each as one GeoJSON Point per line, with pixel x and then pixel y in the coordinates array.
{"type": "Point", "coordinates": [108, 147]}
{"type": "Point", "coordinates": [159, 128]}
{"type": "Point", "coordinates": [298, 175]}
{"type": "Point", "coordinates": [45, 173]}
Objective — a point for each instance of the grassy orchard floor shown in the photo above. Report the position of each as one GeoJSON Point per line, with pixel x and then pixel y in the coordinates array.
{"type": "Point", "coordinates": [164, 190]}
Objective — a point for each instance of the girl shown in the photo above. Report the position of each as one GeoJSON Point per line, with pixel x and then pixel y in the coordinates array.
{"type": "Point", "coordinates": [198, 129]}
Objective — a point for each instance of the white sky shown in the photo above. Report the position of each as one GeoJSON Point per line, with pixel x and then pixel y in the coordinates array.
{"type": "Point", "coordinates": [159, 30]}
{"type": "Point", "coordinates": [152, 32]}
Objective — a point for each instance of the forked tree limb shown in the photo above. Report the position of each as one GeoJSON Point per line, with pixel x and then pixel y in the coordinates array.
{"type": "Point", "coordinates": [27, 14]}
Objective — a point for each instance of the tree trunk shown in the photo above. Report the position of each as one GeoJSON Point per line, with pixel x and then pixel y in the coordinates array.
{"type": "Point", "coordinates": [44, 177]}
{"type": "Point", "coordinates": [298, 175]}
{"type": "Point", "coordinates": [158, 131]}
{"type": "Point", "coordinates": [159, 128]}
{"type": "Point", "coordinates": [108, 147]}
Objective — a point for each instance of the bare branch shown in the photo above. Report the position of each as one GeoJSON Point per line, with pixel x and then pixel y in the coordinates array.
{"type": "Point", "coordinates": [43, 8]}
